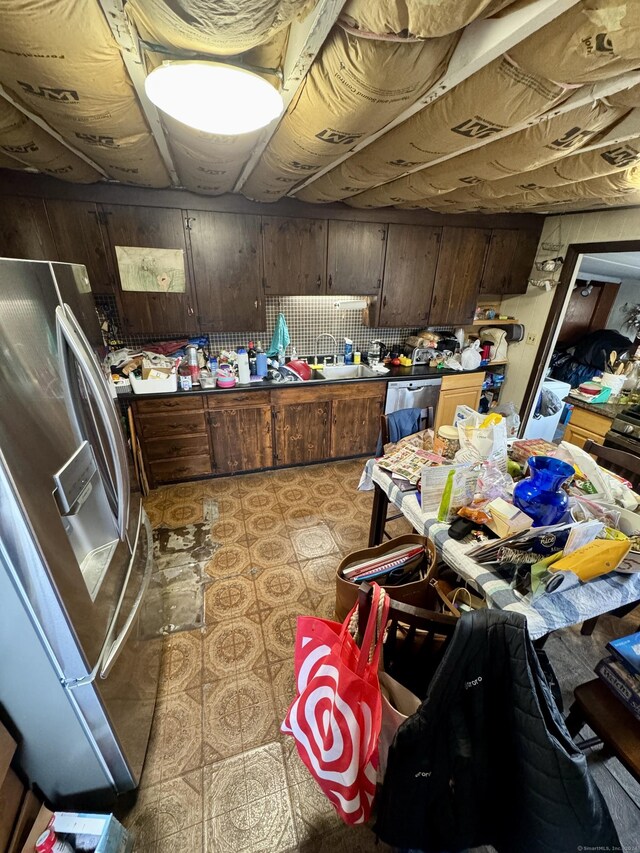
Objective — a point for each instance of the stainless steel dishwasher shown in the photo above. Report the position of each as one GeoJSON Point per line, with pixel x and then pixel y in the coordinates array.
{"type": "Point", "coordinates": [413, 393]}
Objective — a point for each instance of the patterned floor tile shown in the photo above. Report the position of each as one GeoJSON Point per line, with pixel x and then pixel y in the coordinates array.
{"type": "Point", "coordinates": [265, 521]}
{"type": "Point", "coordinates": [313, 542]}
{"type": "Point", "coordinates": [180, 803]}
{"type": "Point", "coordinates": [229, 598]}
{"type": "Point", "coordinates": [178, 513]}
{"type": "Point", "coordinates": [351, 535]}
{"type": "Point", "coordinates": [283, 684]}
{"type": "Point", "coordinates": [303, 516]}
{"type": "Point", "coordinates": [189, 840]}
{"type": "Point", "coordinates": [181, 732]}
{"type": "Point", "coordinates": [228, 561]}
{"type": "Point", "coordinates": [228, 529]}
{"type": "Point", "coordinates": [220, 486]}
{"type": "Point", "coordinates": [295, 494]}
{"type": "Point", "coordinates": [273, 550]}
{"type": "Point", "coordinates": [232, 646]}
{"type": "Point", "coordinates": [313, 814]}
{"type": "Point", "coordinates": [181, 667]}
{"type": "Point", "coordinates": [279, 586]}
{"type": "Point", "coordinates": [320, 574]}
{"type": "Point", "coordinates": [279, 629]}
{"type": "Point", "coordinates": [339, 508]}
{"type": "Point", "coordinates": [262, 825]}
{"type": "Point", "coordinates": [142, 819]}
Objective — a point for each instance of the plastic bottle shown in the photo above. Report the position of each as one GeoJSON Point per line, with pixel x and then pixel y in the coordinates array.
{"type": "Point", "coordinates": [49, 842]}
{"type": "Point", "coordinates": [252, 358]}
{"type": "Point", "coordinates": [261, 361]}
{"type": "Point", "coordinates": [191, 355]}
{"type": "Point", "coordinates": [348, 351]}
{"type": "Point", "coordinates": [281, 356]}
{"type": "Point", "coordinates": [244, 376]}
{"type": "Point", "coordinates": [184, 376]}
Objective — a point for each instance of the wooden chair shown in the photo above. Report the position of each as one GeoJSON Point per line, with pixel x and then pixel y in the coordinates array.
{"type": "Point", "coordinates": [614, 725]}
{"type": "Point", "coordinates": [416, 640]}
{"type": "Point", "coordinates": [628, 466]}
{"type": "Point", "coordinates": [384, 432]}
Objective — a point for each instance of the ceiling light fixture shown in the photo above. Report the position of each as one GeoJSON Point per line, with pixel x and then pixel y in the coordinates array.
{"type": "Point", "coordinates": [213, 97]}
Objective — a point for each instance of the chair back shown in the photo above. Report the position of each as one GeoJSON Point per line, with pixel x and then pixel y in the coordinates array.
{"type": "Point", "coordinates": [619, 462]}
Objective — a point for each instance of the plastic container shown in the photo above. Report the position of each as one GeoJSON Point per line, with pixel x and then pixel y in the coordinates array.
{"type": "Point", "coordinates": [154, 386]}
{"type": "Point", "coordinates": [348, 351]}
{"type": "Point", "coordinates": [49, 842]}
{"type": "Point", "coordinates": [244, 374]}
{"type": "Point", "coordinates": [225, 378]}
{"type": "Point", "coordinates": [191, 355]}
{"type": "Point", "coordinates": [613, 381]}
{"type": "Point", "coordinates": [447, 442]}
{"type": "Point", "coordinates": [262, 368]}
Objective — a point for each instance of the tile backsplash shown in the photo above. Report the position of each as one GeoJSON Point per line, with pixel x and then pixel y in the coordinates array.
{"type": "Point", "coordinates": [306, 316]}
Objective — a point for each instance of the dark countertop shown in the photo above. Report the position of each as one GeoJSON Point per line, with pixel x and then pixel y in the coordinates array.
{"type": "Point", "coordinates": [396, 372]}
{"type": "Point", "coordinates": [607, 410]}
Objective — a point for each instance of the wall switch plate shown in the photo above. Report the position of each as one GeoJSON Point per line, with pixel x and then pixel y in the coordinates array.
{"type": "Point", "coordinates": [532, 339]}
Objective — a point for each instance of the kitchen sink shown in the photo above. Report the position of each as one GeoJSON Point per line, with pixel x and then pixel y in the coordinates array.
{"type": "Point", "coordinates": [345, 371]}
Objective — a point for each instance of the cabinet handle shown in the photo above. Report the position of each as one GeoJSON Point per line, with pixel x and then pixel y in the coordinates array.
{"type": "Point", "coordinates": [384, 302]}
{"type": "Point", "coordinates": [187, 222]}
{"type": "Point", "coordinates": [319, 282]}
{"type": "Point", "coordinates": [190, 311]}
{"type": "Point", "coordinates": [255, 304]}
{"type": "Point", "coordinates": [330, 282]}
{"type": "Point", "coordinates": [379, 283]}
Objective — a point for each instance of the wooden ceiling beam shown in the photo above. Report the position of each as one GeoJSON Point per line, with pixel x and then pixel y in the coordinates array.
{"type": "Point", "coordinates": [126, 36]}
{"type": "Point", "coordinates": [306, 37]}
{"type": "Point", "coordinates": [480, 43]}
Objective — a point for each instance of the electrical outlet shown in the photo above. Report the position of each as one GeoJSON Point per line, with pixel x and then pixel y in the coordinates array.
{"type": "Point", "coordinates": [532, 339]}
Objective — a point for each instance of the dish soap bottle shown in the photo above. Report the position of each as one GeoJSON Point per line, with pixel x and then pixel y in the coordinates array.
{"type": "Point", "coordinates": [262, 367]}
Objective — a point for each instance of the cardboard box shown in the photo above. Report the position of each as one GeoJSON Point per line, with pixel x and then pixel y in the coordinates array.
{"type": "Point", "coordinates": [28, 815]}
{"type": "Point", "coordinates": [110, 835]}
{"type": "Point", "coordinates": [11, 794]}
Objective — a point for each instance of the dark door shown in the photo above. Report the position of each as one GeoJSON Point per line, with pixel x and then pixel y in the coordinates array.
{"type": "Point", "coordinates": [227, 271]}
{"type": "Point", "coordinates": [302, 432]}
{"type": "Point", "coordinates": [587, 313]}
{"type": "Point", "coordinates": [147, 311]}
{"type": "Point", "coordinates": [295, 256]}
{"type": "Point", "coordinates": [79, 238]}
{"type": "Point", "coordinates": [24, 230]}
{"type": "Point", "coordinates": [355, 257]}
{"type": "Point", "coordinates": [498, 267]}
{"type": "Point", "coordinates": [241, 439]}
{"type": "Point", "coordinates": [457, 284]}
{"type": "Point", "coordinates": [409, 272]}
{"type": "Point", "coordinates": [356, 425]}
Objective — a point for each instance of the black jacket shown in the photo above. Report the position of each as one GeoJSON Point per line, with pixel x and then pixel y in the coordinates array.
{"type": "Point", "coordinates": [487, 758]}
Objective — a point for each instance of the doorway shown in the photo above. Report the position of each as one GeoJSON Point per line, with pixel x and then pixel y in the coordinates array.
{"type": "Point", "coordinates": [588, 310]}
{"type": "Point", "coordinates": [609, 263]}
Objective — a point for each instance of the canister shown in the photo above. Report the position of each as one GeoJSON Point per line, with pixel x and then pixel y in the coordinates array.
{"type": "Point", "coordinates": [446, 443]}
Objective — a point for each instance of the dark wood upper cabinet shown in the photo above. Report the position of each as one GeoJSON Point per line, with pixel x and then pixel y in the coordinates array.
{"type": "Point", "coordinates": [24, 230]}
{"type": "Point", "coordinates": [355, 257]}
{"type": "Point", "coordinates": [295, 256]}
{"type": "Point", "coordinates": [460, 267]}
{"type": "Point", "coordinates": [509, 260]}
{"type": "Point", "coordinates": [227, 271]}
{"type": "Point", "coordinates": [80, 239]}
{"type": "Point", "coordinates": [152, 228]}
{"type": "Point", "coordinates": [523, 262]}
{"type": "Point", "coordinates": [409, 273]}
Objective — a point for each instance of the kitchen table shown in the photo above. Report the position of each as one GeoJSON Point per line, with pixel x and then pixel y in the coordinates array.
{"type": "Point", "coordinates": [550, 612]}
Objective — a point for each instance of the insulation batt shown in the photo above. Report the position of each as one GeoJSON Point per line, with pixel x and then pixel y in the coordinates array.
{"type": "Point", "coordinates": [62, 62]}
{"type": "Point", "coordinates": [593, 40]}
{"type": "Point", "coordinates": [457, 119]}
{"type": "Point", "coordinates": [222, 27]}
{"type": "Point", "coordinates": [417, 18]}
{"type": "Point", "coordinates": [535, 146]}
{"type": "Point", "coordinates": [30, 145]}
{"type": "Point", "coordinates": [355, 86]}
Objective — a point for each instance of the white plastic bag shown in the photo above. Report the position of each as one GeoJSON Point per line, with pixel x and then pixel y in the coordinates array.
{"type": "Point", "coordinates": [477, 443]}
{"type": "Point", "coordinates": [470, 357]}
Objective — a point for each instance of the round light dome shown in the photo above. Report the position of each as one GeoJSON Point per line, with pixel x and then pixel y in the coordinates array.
{"type": "Point", "coordinates": [213, 97]}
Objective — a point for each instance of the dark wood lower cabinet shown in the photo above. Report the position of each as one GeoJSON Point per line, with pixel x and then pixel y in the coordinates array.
{"type": "Point", "coordinates": [186, 437]}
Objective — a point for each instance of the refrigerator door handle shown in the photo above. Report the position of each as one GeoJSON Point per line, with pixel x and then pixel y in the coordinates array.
{"type": "Point", "coordinates": [117, 645]}
{"type": "Point", "coordinates": [84, 357]}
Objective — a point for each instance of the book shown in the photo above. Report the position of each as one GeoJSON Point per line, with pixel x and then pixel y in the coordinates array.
{"type": "Point", "coordinates": [617, 678]}
{"type": "Point", "coordinates": [627, 649]}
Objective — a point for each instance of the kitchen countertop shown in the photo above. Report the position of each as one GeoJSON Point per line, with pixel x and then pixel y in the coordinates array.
{"type": "Point", "coordinates": [607, 410]}
{"type": "Point", "coordinates": [396, 372]}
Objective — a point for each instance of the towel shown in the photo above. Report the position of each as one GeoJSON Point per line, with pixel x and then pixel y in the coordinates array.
{"type": "Point", "coordinates": [402, 423]}
{"type": "Point", "coordinates": [280, 337]}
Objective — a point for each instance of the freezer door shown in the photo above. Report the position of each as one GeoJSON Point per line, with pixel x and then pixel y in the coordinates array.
{"type": "Point", "coordinates": [40, 439]}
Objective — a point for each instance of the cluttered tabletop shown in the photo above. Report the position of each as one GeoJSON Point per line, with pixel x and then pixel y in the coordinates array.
{"type": "Point", "coordinates": [534, 527]}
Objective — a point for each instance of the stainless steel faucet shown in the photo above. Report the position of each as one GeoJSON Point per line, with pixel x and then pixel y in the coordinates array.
{"type": "Point", "coordinates": [335, 345]}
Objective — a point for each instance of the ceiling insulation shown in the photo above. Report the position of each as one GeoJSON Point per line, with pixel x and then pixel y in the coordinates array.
{"type": "Point", "coordinates": [506, 134]}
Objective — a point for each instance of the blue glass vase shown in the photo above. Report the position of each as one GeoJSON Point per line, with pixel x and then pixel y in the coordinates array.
{"type": "Point", "coordinates": [540, 494]}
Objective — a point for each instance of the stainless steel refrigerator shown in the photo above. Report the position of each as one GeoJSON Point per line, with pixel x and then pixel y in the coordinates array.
{"type": "Point", "coordinates": [78, 673]}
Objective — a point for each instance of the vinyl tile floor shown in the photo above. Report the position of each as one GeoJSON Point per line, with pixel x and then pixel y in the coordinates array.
{"type": "Point", "coordinates": [219, 776]}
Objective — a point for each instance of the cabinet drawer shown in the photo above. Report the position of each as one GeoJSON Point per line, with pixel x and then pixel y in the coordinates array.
{"type": "Point", "coordinates": [238, 399]}
{"type": "Point", "coordinates": [169, 404]}
{"type": "Point", "coordinates": [158, 426]}
{"type": "Point", "coordinates": [180, 469]}
{"type": "Point", "coordinates": [179, 446]}
{"type": "Point", "coordinates": [590, 422]}
{"type": "Point", "coordinates": [462, 380]}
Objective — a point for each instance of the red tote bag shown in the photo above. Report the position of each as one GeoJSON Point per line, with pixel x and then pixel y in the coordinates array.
{"type": "Point", "coordinates": [336, 716]}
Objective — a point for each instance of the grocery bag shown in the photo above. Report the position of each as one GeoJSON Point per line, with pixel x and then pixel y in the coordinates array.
{"type": "Point", "coordinates": [336, 715]}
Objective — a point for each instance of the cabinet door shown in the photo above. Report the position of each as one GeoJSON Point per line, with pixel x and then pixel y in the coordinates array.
{"type": "Point", "coordinates": [295, 256]}
{"type": "Point", "coordinates": [458, 277]}
{"type": "Point", "coordinates": [464, 390]}
{"type": "Point", "coordinates": [79, 238]}
{"type": "Point", "coordinates": [227, 271]}
{"type": "Point", "coordinates": [356, 426]}
{"type": "Point", "coordinates": [241, 439]}
{"type": "Point", "coordinates": [302, 432]}
{"type": "Point", "coordinates": [147, 312]}
{"type": "Point", "coordinates": [355, 257]}
{"type": "Point", "coordinates": [409, 272]}
{"type": "Point", "coordinates": [522, 263]}
{"type": "Point", "coordinates": [498, 266]}
{"type": "Point", "coordinates": [24, 230]}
